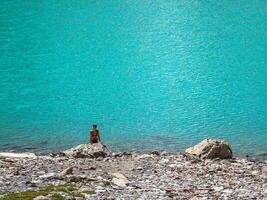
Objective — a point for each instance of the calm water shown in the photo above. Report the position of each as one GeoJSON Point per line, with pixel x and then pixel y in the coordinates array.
{"type": "Point", "coordinates": [152, 74]}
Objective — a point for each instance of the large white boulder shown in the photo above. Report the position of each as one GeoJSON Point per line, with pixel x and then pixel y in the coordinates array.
{"type": "Point", "coordinates": [88, 150]}
{"type": "Point", "coordinates": [211, 149]}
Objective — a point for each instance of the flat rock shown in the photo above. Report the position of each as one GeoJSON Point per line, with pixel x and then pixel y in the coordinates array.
{"type": "Point", "coordinates": [119, 176]}
{"type": "Point", "coordinates": [119, 179]}
{"type": "Point", "coordinates": [17, 155]}
{"type": "Point", "coordinates": [50, 176]}
{"type": "Point", "coordinates": [119, 182]}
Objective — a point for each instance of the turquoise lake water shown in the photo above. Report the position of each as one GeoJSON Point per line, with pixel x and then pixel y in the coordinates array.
{"type": "Point", "coordinates": [154, 75]}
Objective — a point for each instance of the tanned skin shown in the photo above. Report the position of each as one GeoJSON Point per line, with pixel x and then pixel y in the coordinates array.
{"type": "Point", "coordinates": [94, 135]}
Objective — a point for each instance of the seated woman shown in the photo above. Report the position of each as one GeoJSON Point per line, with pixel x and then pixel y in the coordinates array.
{"type": "Point", "coordinates": [94, 135]}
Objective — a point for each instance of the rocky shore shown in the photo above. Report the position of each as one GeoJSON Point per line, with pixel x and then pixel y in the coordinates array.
{"type": "Point", "coordinates": [89, 173]}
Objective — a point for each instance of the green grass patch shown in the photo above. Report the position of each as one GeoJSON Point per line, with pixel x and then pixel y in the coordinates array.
{"type": "Point", "coordinates": [57, 197]}
{"type": "Point", "coordinates": [28, 195]}
{"type": "Point", "coordinates": [69, 189]}
{"type": "Point", "coordinates": [89, 192]}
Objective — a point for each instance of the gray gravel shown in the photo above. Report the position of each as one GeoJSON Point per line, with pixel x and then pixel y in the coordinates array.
{"type": "Point", "coordinates": [150, 176]}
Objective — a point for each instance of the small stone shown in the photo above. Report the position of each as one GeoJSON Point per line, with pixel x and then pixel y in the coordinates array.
{"type": "Point", "coordinates": [119, 179]}
{"type": "Point", "coordinates": [66, 171]}
{"type": "Point", "coordinates": [164, 153]}
{"type": "Point", "coordinates": [217, 189]}
{"type": "Point", "coordinates": [92, 168]}
{"type": "Point", "coordinates": [168, 190]}
{"type": "Point", "coordinates": [100, 191]}
{"type": "Point", "coordinates": [155, 153]}
{"type": "Point", "coordinates": [119, 182]}
{"type": "Point", "coordinates": [49, 176]}
{"type": "Point", "coordinates": [226, 185]}
{"type": "Point", "coordinates": [84, 189]}
{"type": "Point", "coordinates": [10, 160]}
{"type": "Point", "coordinates": [172, 165]}
{"type": "Point", "coordinates": [41, 198]}
{"type": "Point", "coordinates": [52, 155]}
{"type": "Point", "coordinates": [228, 191]}
{"type": "Point", "coordinates": [31, 184]}
{"type": "Point", "coordinates": [91, 179]}
{"type": "Point", "coordinates": [107, 159]}
{"type": "Point", "coordinates": [40, 172]}
{"type": "Point", "coordinates": [255, 173]}
{"type": "Point", "coordinates": [145, 156]}
{"type": "Point", "coordinates": [100, 158]}
{"type": "Point", "coordinates": [77, 179]}
{"type": "Point", "coordinates": [99, 187]}
{"type": "Point", "coordinates": [163, 161]}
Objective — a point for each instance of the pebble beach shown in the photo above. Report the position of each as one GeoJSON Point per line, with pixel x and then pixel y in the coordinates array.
{"type": "Point", "coordinates": [154, 175]}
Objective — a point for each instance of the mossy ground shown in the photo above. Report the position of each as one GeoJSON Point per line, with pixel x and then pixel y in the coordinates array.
{"type": "Point", "coordinates": [57, 197]}
{"type": "Point", "coordinates": [68, 189]}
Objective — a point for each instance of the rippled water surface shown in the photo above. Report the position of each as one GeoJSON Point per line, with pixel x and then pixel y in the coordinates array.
{"type": "Point", "coordinates": [152, 74]}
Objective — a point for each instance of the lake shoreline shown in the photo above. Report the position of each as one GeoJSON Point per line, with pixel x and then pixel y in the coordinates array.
{"type": "Point", "coordinates": [260, 156]}
{"type": "Point", "coordinates": [129, 175]}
